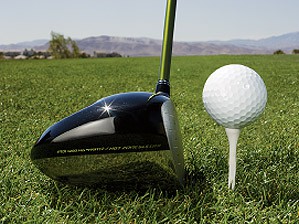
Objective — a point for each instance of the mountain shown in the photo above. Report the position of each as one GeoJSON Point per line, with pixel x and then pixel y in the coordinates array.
{"type": "Point", "coordinates": [23, 45]}
{"type": "Point", "coordinates": [286, 42]}
{"type": "Point", "coordinates": [152, 47]}
{"type": "Point", "coordinates": [122, 45]}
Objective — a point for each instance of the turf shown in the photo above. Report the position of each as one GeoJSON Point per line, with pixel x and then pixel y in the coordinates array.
{"type": "Point", "coordinates": [36, 93]}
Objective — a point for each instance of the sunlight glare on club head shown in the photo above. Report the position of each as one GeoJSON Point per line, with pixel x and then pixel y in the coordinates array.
{"type": "Point", "coordinates": [107, 109]}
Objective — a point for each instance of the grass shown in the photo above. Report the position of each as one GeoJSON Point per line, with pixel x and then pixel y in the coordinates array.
{"type": "Point", "coordinates": [35, 94]}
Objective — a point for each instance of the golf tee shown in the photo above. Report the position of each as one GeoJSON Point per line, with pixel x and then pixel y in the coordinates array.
{"type": "Point", "coordinates": [232, 135]}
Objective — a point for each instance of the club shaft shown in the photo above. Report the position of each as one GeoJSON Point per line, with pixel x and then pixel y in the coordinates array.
{"type": "Point", "coordinates": [166, 53]}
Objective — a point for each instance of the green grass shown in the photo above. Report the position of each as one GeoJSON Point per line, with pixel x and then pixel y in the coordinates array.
{"type": "Point", "coordinates": [35, 94]}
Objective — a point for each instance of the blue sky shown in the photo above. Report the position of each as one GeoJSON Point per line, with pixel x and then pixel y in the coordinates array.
{"type": "Point", "coordinates": [197, 20]}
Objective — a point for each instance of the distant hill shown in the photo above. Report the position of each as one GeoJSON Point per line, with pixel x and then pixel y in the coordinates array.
{"type": "Point", "coordinates": [286, 42]}
{"type": "Point", "coordinates": [152, 47]}
{"type": "Point", "coordinates": [123, 45]}
{"type": "Point", "coordinates": [23, 45]}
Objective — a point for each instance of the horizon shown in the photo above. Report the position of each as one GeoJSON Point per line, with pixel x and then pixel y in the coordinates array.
{"type": "Point", "coordinates": [76, 39]}
{"type": "Point", "coordinates": [195, 21]}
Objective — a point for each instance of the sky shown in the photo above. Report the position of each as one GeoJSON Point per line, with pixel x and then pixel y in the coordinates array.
{"type": "Point", "coordinates": [196, 20]}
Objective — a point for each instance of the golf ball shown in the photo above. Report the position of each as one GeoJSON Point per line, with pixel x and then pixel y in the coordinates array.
{"type": "Point", "coordinates": [234, 95]}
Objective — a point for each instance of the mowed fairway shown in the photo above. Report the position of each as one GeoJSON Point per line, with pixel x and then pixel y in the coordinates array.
{"type": "Point", "coordinates": [34, 94]}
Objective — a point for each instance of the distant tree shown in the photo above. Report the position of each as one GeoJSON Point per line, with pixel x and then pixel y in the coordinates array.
{"type": "Point", "coordinates": [44, 54]}
{"type": "Point", "coordinates": [12, 54]}
{"type": "Point", "coordinates": [278, 52]}
{"type": "Point", "coordinates": [58, 46]}
{"type": "Point", "coordinates": [74, 47]}
{"type": "Point", "coordinates": [29, 53]}
{"type": "Point", "coordinates": [1, 55]}
{"type": "Point", "coordinates": [114, 55]}
{"type": "Point", "coordinates": [61, 47]}
{"type": "Point", "coordinates": [295, 51]}
{"type": "Point", "coordinates": [106, 55]}
{"type": "Point", "coordinates": [84, 55]}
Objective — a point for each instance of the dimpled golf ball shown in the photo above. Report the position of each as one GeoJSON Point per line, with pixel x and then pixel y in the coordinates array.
{"type": "Point", "coordinates": [234, 96]}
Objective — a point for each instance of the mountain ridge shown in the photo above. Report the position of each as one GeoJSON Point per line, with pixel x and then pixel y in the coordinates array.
{"type": "Point", "coordinates": [143, 46]}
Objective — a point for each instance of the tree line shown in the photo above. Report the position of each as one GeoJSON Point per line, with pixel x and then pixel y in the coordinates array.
{"type": "Point", "coordinates": [295, 51]}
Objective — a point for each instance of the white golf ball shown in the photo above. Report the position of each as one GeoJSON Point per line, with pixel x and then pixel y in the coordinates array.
{"type": "Point", "coordinates": [234, 95]}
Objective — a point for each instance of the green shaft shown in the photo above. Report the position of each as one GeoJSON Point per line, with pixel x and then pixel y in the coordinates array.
{"type": "Point", "coordinates": [167, 40]}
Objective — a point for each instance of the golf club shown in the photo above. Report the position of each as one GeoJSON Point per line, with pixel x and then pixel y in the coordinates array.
{"type": "Point", "coordinates": [125, 138]}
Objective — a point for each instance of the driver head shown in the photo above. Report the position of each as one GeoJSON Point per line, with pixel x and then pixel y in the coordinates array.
{"type": "Point", "coordinates": [128, 138]}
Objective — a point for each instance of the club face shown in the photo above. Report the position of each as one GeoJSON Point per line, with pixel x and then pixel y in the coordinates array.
{"type": "Point", "coordinates": [124, 138]}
